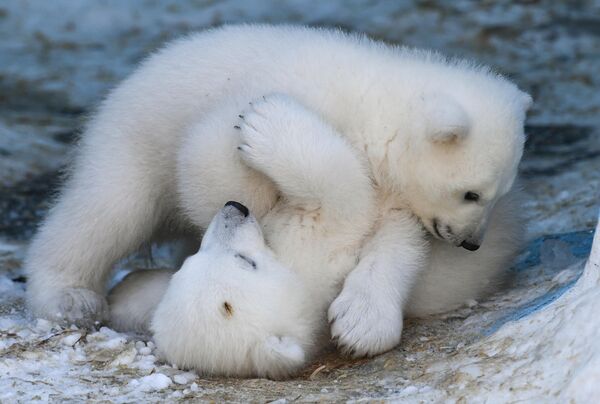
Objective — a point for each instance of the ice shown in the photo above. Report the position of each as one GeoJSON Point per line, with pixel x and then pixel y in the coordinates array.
{"type": "Point", "coordinates": [125, 358]}
{"type": "Point", "coordinates": [555, 253]}
{"type": "Point", "coordinates": [70, 340]}
{"type": "Point", "coordinates": [145, 351]}
{"type": "Point", "coordinates": [156, 381]}
{"type": "Point", "coordinates": [184, 378]}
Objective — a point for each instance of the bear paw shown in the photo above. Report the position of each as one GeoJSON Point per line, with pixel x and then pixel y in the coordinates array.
{"type": "Point", "coordinates": [79, 306]}
{"type": "Point", "coordinates": [363, 322]}
{"type": "Point", "coordinates": [268, 128]}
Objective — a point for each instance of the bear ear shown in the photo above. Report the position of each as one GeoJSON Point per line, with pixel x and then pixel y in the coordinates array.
{"type": "Point", "coordinates": [446, 119]}
{"type": "Point", "coordinates": [285, 348]}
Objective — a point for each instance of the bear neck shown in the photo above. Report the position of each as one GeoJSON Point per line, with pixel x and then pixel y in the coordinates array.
{"type": "Point", "coordinates": [385, 133]}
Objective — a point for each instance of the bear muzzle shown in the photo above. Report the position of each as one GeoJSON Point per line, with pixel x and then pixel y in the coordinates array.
{"type": "Point", "coordinates": [469, 246]}
{"type": "Point", "coordinates": [241, 208]}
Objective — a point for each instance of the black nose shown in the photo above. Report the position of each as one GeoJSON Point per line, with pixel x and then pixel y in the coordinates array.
{"type": "Point", "coordinates": [468, 246]}
{"type": "Point", "coordinates": [239, 207]}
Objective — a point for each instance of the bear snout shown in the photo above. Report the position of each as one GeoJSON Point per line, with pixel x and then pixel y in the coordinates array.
{"type": "Point", "coordinates": [469, 246]}
{"type": "Point", "coordinates": [241, 208]}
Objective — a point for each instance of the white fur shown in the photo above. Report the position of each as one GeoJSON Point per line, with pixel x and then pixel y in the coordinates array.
{"type": "Point", "coordinates": [273, 323]}
{"type": "Point", "coordinates": [220, 315]}
{"type": "Point", "coordinates": [275, 309]}
{"type": "Point", "coordinates": [454, 276]}
{"type": "Point", "coordinates": [131, 306]}
{"type": "Point", "coordinates": [170, 124]}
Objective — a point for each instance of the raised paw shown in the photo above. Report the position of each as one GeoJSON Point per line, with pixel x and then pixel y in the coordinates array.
{"type": "Point", "coordinates": [363, 321]}
{"type": "Point", "coordinates": [79, 306]}
{"type": "Point", "coordinates": [267, 129]}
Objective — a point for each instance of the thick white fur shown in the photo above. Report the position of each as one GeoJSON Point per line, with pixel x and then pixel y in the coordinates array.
{"type": "Point", "coordinates": [428, 130]}
{"type": "Point", "coordinates": [325, 217]}
{"type": "Point", "coordinates": [454, 276]}
{"type": "Point", "coordinates": [222, 315]}
{"type": "Point", "coordinates": [273, 321]}
{"type": "Point", "coordinates": [233, 309]}
{"type": "Point", "coordinates": [275, 324]}
{"type": "Point", "coordinates": [132, 307]}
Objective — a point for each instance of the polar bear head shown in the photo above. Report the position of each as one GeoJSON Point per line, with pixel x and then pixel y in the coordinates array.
{"type": "Point", "coordinates": [464, 157]}
{"type": "Point", "coordinates": [233, 309]}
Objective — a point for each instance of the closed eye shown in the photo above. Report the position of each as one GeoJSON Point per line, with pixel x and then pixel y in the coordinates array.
{"type": "Point", "coordinates": [247, 260]}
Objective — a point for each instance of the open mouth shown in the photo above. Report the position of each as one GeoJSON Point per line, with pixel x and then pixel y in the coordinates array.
{"type": "Point", "coordinates": [450, 237]}
{"type": "Point", "coordinates": [436, 229]}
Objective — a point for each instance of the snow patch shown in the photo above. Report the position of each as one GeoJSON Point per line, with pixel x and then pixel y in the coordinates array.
{"type": "Point", "coordinates": [153, 382]}
{"type": "Point", "coordinates": [184, 378]}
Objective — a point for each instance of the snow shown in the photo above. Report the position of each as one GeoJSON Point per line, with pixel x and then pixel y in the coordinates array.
{"type": "Point", "coordinates": [145, 351]}
{"type": "Point", "coordinates": [72, 339]}
{"type": "Point", "coordinates": [552, 352]}
{"type": "Point", "coordinates": [156, 381]}
{"type": "Point", "coordinates": [536, 340]}
{"type": "Point", "coordinates": [185, 378]}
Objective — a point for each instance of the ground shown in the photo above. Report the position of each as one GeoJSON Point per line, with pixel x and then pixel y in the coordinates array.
{"type": "Point", "coordinates": [58, 59]}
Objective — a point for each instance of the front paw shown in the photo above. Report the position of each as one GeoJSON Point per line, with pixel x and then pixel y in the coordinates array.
{"type": "Point", "coordinates": [265, 127]}
{"type": "Point", "coordinates": [364, 321]}
{"type": "Point", "coordinates": [79, 306]}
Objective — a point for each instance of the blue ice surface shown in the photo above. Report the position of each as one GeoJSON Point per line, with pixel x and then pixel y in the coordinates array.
{"type": "Point", "coordinates": [579, 245]}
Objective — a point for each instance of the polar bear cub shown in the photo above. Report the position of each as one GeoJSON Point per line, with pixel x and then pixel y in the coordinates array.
{"type": "Point", "coordinates": [441, 141]}
{"type": "Point", "coordinates": [240, 308]}
{"type": "Point", "coordinates": [234, 309]}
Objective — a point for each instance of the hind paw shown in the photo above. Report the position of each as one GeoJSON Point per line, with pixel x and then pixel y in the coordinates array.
{"type": "Point", "coordinates": [79, 306]}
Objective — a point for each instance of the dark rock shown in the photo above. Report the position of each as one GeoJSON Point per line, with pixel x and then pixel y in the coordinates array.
{"type": "Point", "coordinates": [24, 205]}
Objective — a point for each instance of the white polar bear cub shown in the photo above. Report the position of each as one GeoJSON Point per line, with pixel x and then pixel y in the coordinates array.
{"type": "Point", "coordinates": [233, 309]}
{"type": "Point", "coordinates": [240, 308]}
{"type": "Point", "coordinates": [441, 140]}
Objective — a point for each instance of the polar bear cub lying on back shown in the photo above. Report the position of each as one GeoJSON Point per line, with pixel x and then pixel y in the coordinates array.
{"type": "Point", "coordinates": [235, 309]}
{"type": "Point", "coordinates": [248, 305]}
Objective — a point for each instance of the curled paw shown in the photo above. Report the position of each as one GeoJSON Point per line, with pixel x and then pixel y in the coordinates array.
{"type": "Point", "coordinates": [267, 129]}
{"type": "Point", "coordinates": [79, 306]}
